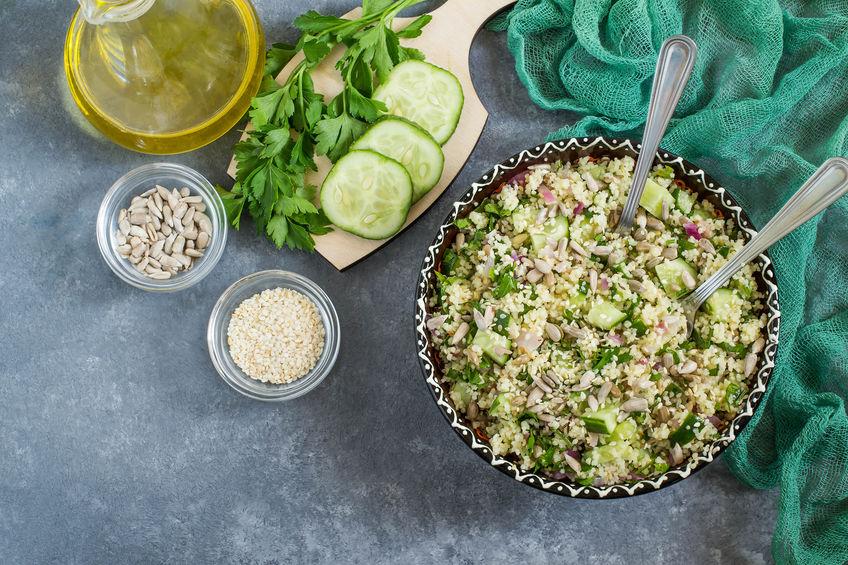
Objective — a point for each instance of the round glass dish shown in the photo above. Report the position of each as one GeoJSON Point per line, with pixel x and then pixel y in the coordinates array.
{"type": "Point", "coordinates": [134, 183]}
{"type": "Point", "coordinates": [219, 320]}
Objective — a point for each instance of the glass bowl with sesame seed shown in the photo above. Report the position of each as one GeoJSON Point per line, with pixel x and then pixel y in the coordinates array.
{"type": "Point", "coordinates": [273, 335]}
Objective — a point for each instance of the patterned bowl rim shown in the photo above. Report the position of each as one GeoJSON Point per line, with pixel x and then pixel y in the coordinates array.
{"type": "Point", "coordinates": [696, 179]}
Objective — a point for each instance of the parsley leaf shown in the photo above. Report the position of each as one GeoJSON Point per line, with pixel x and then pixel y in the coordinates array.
{"type": "Point", "coordinates": [335, 135]}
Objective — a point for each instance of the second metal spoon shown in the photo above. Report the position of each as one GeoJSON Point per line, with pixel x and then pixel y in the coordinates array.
{"type": "Point", "coordinates": [825, 187]}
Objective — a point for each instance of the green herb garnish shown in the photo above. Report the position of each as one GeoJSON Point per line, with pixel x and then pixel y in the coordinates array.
{"type": "Point", "coordinates": [292, 123]}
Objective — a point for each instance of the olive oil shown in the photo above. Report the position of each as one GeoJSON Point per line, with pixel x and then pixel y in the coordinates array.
{"type": "Point", "coordinates": [164, 76]}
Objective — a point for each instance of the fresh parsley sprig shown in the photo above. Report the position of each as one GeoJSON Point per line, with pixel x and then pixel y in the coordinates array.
{"type": "Point", "coordinates": [292, 123]}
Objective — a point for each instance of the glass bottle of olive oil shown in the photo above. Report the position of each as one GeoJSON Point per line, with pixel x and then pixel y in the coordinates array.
{"type": "Point", "coordinates": [164, 76]}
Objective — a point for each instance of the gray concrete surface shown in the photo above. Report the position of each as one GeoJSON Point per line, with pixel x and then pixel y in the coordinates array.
{"type": "Point", "coordinates": [120, 444]}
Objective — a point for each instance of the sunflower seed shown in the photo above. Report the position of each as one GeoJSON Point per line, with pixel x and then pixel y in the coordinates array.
{"type": "Point", "coordinates": [188, 217]}
{"type": "Point", "coordinates": [593, 279]}
{"type": "Point", "coordinates": [663, 414]}
{"type": "Point", "coordinates": [184, 191]}
{"type": "Point", "coordinates": [190, 232]}
{"type": "Point", "coordinates": [572, 462]}
{"type": "Point", "coordinates": [550, 279]}
{"type": "Point", "coordinates": [750, 364]}
{"type": "Point", "coordinates": [654, 262]}
{"type": "Point", "coordinates": [706, 245]}
{"type": "Point", "coordinates": [644, 246]}
{"type": "Point", "coordinates": [480, 320]}
{"type": "Point", "coordinates": [541, 216]}
{"type": "Point", "coordinates": [665, 210]}
{"type": "Point", "coordinates": [142, 264]}
{"type": "Point", "coordinates": [139, 232]}
{"type": "Point", "coordinates": [534, 276]}
{"type": "Point", "coordinates": [654, 224]}
{"type": "Point", "coordinates": [600, 250]}
{"type": "Point", "coordinates": [553, 331]}
{"type": "Point", "coordinates": [592, 439]}
{"type": "Point", "coordinates": [669, 253]}
{"type": "Point", "coordinates": [151, 206]}
{"type": "Point", "coordinates": [138, 218]}
{"type": "Point", "coordinates": [191, 199]}
{"type": "Point", "coordinates": [169, 243]}
{"type": "Point", "coordinates": [639, 234]}
{"type": "Point", "coordinates": [180, 210]}
{"type": "Point", "coordinates": [540, 383]}
{"type": "Point", "coordinates": [203, 222]}
{"type": "Point", "coordinates": [535, 396]}
{"type": "Point", "coordinates": [461, 331]}
{"type": "Point", "coordinates": [472, 411]}
{"type": "Point", "coordinates": [635, 404]}
{"type": "Point", "coordinates": [202, 240]}
{"type": "Point", "coordinates": [159, 275]}
{"type": "Point", "coordinates": [592, 402]}
{"type": "Point", "coordinates": [687, 367]}
{"type": "Point", "coordinates": [154, 263]}
{"type": "Point", "coordinates": [667, 360]}
{"type": "Point", "coordinates": [636, 286]}
{"type": "Point", "coordinates": [200, 207]}
{"type": "Point", "coordinates": [615, 391]}
{"type": "Point", "coordinates": [758, 345]}
{"type": "Point", "coordinates": [677, 454]}
{"type": "Point", "coordinates": [573, 331]}
{"type": "Point", "coordinates": [641, 219]}
{"type": "Point", "coordinates": [179, 244]}
{"type": "Point", "coordinates": [166, 230]}
{"type": "Point", "coordinates": [436, 322]}
{"type": "Point", "coordinates": [124, 250]}
{"type": "Point", "coordinates": [688, 280]}
{"type": "Point", "coordinates": [577, 248]}
{"type": "Point", "coordinates": [182, 259]}
{"type": "Point", "coordinates": [604, 392]}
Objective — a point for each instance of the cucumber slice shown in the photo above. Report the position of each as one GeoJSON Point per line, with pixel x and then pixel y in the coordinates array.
{"type": "Point", "coordinates": [625, 431]}
{"type": "Point", "coordinates": [684, 199]}
{"type": "Point", "coordinates": [686, 432]}
{"type": "Point", "coordinates": [555, 228]}
{"type": "Point", "coordinates": [604, 315]}
{"type": "Point", "coordinates": [367, 194]}
{"type": "Point", "coordinates": [721, 304]}
{"type": "Point", "coordinates": [601, 421]}
{"type": "Point", "coordinates": [426, 94]}
{"type": "Point", "coordinates": [653, 198]}
{"type": "Point", "coordinates": [670, 276]}
{"type": "Point", "coordinates": [490, 342]}
{"type": "Point", "coordinates": [410, 146]}
{"type": "Point", "coordinates": [700, 213]}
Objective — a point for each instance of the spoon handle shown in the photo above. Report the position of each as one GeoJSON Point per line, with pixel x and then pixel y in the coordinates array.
{"type": "Point", "coordinates": [821, 190]}
{"type": "Point", "coordinates": [674, 65]}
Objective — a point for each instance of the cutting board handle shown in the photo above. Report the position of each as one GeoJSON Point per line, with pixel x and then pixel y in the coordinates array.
{"type": "Point", "coordinates": [469, 15]}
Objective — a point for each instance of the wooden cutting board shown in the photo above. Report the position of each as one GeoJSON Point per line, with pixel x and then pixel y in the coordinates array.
{"type": "Point", "coordinates": [446, 42]}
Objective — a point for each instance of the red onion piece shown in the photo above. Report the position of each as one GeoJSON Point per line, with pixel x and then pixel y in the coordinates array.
{"type": "Point", "coordinates": [579, 209]}
{"type": "Point", "coordinates": [559, 475]}
{"type": "Point", "coordinates": [616, 339]}
{"type": "Point", "coordinates": [604, 283]}
{"type": "Point", "coordinates": [643, 361]}
{"type": "Point", "coordinates": [519, 178]}
{"type": "Point", "coordinates": [547, 194]}
{"type": "Point", "coordinates": [715, 421]}
{"type": "Point", "coordinates": [692, 230]}
{"type": "Point", "coordinates": [528, 341]}
{"type": "Point", "coordinates": [573, 454]}
{"type": "Point", "coordinates": [657, 366]}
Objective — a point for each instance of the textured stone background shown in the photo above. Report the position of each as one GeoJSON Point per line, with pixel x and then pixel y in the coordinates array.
{"type": "Point", "coordinates": [119, 442]}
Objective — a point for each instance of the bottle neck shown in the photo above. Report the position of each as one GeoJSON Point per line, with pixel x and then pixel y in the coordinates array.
{"type": "Point", "coordinates": [98, 12]}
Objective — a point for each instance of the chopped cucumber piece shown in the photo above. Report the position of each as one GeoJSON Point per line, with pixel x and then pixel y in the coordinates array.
{"type": "Point", "coordinates": [426, 94]}
{"type": "Point", "coordinates": [625, 431]}
{"type": "Point", "coordinates": [491, 343]}
{"type": "Point", "coordinates": [601, 421]}
{"type": "Point", "coordinates": [721, 304]}
{"type": "Point", "coordinates": [604, 315]}
{"type": "Point", "coordinates": [576, 302]}
{"type": "Point", "coordinates": [653, 198]}
{"type": "Point", "coordinates": [684, 199]}
{"type": "Point", "coordinates": [555, 228]}
{"type": "Point", "coordinates": [686, 432]}
{"type": "Point", "coordinates": [410, 146]}
{"type": "Point", "coordinates": [367, 194]}
{"type": "Point", "coordinates": [700, 213]}
{"type": "Point", "coordinates": [670, 275]}
{"type": "Point", "coordinates": [608, 453]}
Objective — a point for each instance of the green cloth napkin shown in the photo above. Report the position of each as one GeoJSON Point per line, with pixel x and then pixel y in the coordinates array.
{"type": "Point", "coordinates": [766, 104]}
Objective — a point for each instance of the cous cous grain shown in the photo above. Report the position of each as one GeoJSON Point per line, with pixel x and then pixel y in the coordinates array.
{"type": "Point", "coordinates": [276, 336]}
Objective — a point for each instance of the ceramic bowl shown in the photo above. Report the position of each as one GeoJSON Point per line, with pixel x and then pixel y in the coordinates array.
{"type": "Point", "coordinates": [569, 150]}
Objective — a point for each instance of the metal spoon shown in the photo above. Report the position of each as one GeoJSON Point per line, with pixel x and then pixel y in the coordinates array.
{"type": "Point", "coordinates": [674, 65]}
{"type": "Point", "coordinates": [821, 190]}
